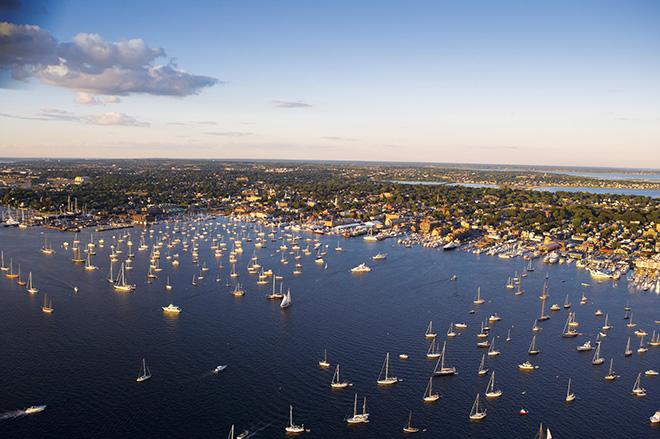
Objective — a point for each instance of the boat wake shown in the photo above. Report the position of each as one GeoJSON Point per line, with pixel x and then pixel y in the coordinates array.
{"type": "Point", "coordinates": [12, 415]}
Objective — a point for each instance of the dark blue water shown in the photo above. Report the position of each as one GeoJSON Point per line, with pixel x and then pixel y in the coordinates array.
{"type": "Point", "coordinates": [83, 359]}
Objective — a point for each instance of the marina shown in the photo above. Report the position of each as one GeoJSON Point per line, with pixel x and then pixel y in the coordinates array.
{"type": "Point", "coordinates": [288, 356]}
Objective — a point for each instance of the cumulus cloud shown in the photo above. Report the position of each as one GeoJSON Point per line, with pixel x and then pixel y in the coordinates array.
{"type": "Point", "coordinates": [90, 64]}
{"type": "Point", "coordinates": [83, 98]}
{"type": "Point", "coordinates": [290, 104]}
{"type": "Point", "coordinates": [228, 133]}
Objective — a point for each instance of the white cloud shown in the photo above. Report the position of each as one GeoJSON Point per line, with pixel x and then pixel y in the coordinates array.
{"type": "Point", "coordinates": [83, 98]}
{"type": "Point", "coordinates": [91, 64]}
{"type": "Point", "coordinates": [114, 118]}
{"type": "Point", "coordinates": [290, 104]}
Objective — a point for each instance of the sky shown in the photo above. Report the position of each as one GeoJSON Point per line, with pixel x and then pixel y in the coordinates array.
{"type": "Point", "coordinates": [562, 82]}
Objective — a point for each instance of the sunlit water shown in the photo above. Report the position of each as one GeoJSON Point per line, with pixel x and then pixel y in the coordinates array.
{"type": "Point", "coordinates": [83, 359]}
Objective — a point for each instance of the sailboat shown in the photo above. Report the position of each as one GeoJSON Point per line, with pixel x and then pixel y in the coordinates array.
{"type": "Point", "coordinates": [478, 300]}
{"type": "Point", "coordinates": [429, 331]}
{"type": "Point", "coordinates": [476, 414]}
{"type": "Point", "coordinates": [597, 359]}
{"type": "Point", "coordinates": [47, 307]}
{"type": "Point", "coordinates": [642, 347]}
{"type": "Point", "coordinates": [286, 300]}
{"type": "Point", "coordinates": [567, 304]}
{"type": "Point", "coordinates": [543, 315]}
{"type": "Point", "coordinates": [606, 326]}
{"type": "Point", "coordinates": [293, 428]}
{"type": "Point", "coordinates": [47, 249]}
{"type": "Point", "coordinates": [273, 295]}
{"type": "Point", "coordinates": [492, 352]}
{"type": "Point", "coordinates": [386, 379]}
{"type": "Point", "coordinates": [533, 350]}
{"type": "Point", "coordinates": [336, 382]}
{"type": "Point", "coordinates": [483, 370]}
{"type": "Point", "coordinates": [30, 286]}
{"type": "Point", "coordinates": [542, 435]}
{"type": "Point", "coordinates": [491, 392]}
{"type": "Point", "coordinates": [450, 331]}
{"type": "Point", "coordinates": [120, 282]}
{"type": "Point", "coordinates": [324, 363]}
{"type": "Point", "coordinates": [429, 396]}
{"type": "Point", "coordinates": [637, 389]}
{"type": "Point", "coordinates": [440, 368]}
{"type": "Point", "coordinates": [568, 331]}
{"type": "Point", "coordinates": [432, 351]}
{"type": "Point", "coordinates": [630, 323]}
{"type": "Point", "coordinates": [628, 352]}
{"type": "Point", "coordinates": [10, 274]}
{"type": "Point", "coordinates": [3, 267]}
{"type": "Point", "coordinates": [145, 373]}
{"type": "Point", "coordinates": [362, 418]}
{"type": "Point", "coordinates": [238, 291]}
{"type": "Point", "coordinates": [408, 428]}
{"type": "Point", "coordinates": [168, 285]}
{"type": "Point", "coordinates": [88, 263]}
{"type": "Point", "coordinates": [611, 376]}
{"type": "Point", "coordinates": [111, 277]}
{"type": "Point", "coordinates": [508, 335]}
{"type": "Point", "coordinates": [21, 283]}
{"type": "Point", "coordinates": [570, 396]}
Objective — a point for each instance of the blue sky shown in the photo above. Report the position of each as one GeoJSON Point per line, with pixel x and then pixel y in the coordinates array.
{"type": "Point", "coordinates": [561, 82]}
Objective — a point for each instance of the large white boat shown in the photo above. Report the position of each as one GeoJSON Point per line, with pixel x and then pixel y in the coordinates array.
{"type": "Point", "coordinates": [34, 409]}
{"type": "Point", "coordinates": [171, 308]}
{"type": "Point", "coordinates": [362, 268]}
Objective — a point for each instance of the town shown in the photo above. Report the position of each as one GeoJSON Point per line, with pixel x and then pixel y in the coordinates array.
{"type": "Point", "coordinates": [606, 234]}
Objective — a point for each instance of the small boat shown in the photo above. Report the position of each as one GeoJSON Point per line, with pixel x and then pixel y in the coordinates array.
{"type": "Point", "coordinates": [47, 307]}
{"type": "Point", "coordinates": [429, 331]}
{"type": "Point", "coordinates": [606, 326]}
{"type": "Point", "coordinates": [483, 370]}
{"type": "Point", "coordinates": [440, 369]}
{"type": "Point", "coordinates": [336, 382]}
{"type": "Point", "coordinates": [527, 366]}
{"type": "Point", "coordinates": [362, 268]}
{"type": "Point", "coordinates": [30, 286]}
{"type": "Point", "coordinates": [655, 419]}
{"type": "Point", "coordinates": [567, 304]}
{"type": "Point", "coordinates": [384, 378]}
{"type": "Point", "coordinates": [584, 347]}
{"type": "Point", "coordinates": [508, 335]}
{"type": "Point", "coordinates": [324, 363]}
{"type": "Point", "coordinates": [492, 352]}
{"type": "Point", "coordinates": [403, 356]}
{"type": "Point", "coordinates": [145, 373]}
{"type": "Point", "coordinates": [570, 396]}
{"type": "Point", "coordinates": [478, 300]}
{"type": "Point", "coordinates": [429, 396]}
{"type": "Point", "coordinates": [651, 373]}
{"type": "Point", "coordinates": [219, 369]}
{"type": "Point", "coordinates": [238, 291]}
{"type": "Point", "coordinates": [583, 299]}
{"type": "Point", "coordinates": [533, 350]}
{"type": "Point", "coordinates": [408, 428]}
{"type": "Point", "coordinates": [362, 418]}
{"type": "Point", "coordinates": [286, 300]}
{"type": "Point", "coordinates": [628, 352]}
{"type": "Point", "coordinates": [642, 347]}
{"type": "Point", "coordinates": [523, 412]}
{"type": "Point", "coordinates": [33, 409]}
{"type": "Point", "coordinates": [168, 285]}
{"type": "Point", "coordinates": [494, 318]}
{"type": "Point", "coordinates": [293, 428]}
{"type": "Point", "coordinates": [453, 277]}
{"type": "Point", "coordinates": [491, 392]}
{"type": "Point", "coordinates": [611, 376]}
{"type": "Point", "coordinates": [432, 351]}
{"type": "Point", "coordinates": [171, 308]}
{"type": "Point", "coordinates": [637, 389]}
{"type": "Point", "coordinates": [450, 331]}
{"type": "Point", "coordinates": [379, 257]}
{"type": "Point", "coordinates": [476, 414]}
{"type": "Point", "coordinates": [460, 325]}
{"type": "Point", "coordinates": [597, 359]}
{"type": "Point", "coordinates": [554, 307]}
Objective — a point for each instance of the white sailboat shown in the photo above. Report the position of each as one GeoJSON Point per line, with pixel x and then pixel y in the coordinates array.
{"type": "Point", "coordinates": [384, 378]}
{"type": "Point", "coordinates": [362, 418]}
{"type": "Point", "coordinates": [597, 359]}
{"type": "Point", "coordinates": [478, 300]}
{"type": "Point", "coordinates": [336, 382]}
{"type": "Point", "coordinates": [286, 300]}
{"type": "Point", "coordinates": [120, 282]}
{"type": "Point", "coordinates": [533, 350]}
{"type": "Point", "coordinates": [145, 373]}
{"type": "Point", "coordinates": [30, 286]}
{"type": "Point", "coordinates": [408, 428]}
{"type": "Point", "coordinates": [429, 396]}
{"type": "Point", "coordinates": [450, 331]}
{"type": "Point", "coordinates": [429, 331]}
{"type": "Point", "coordinates": [637, 389]}
{"type": "Point", "coordinates": [483, 370]}
{"type": "Point", "coordinates": [432, 351]}
{"type": "Point", "coordinates": [440, 368]}
{"type": "Point", "coordinates": [476, 413]}
{"type": "Point", "coordinates": [628, 352]}
{"type": "Point", "coordinates": [324, 362]}
{"type": "Point", "coordinates": [611, 376]}
{"type": "Point", "coordinates": [491, 392]}
{"type": "Point", "coordinates": [570, 396]}
{"type": "Point", "coordinates": [293, 428]}
{"type": "Point", "coordinates": [492, 352]}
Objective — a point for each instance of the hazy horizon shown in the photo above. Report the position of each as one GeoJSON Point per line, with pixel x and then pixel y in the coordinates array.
{"type": "Point", "coordinates": [506, 83]}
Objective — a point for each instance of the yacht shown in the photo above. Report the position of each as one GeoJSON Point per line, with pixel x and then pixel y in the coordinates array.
{"type": "Point", "coordinates": [145, 373]}
{"type": "Point", "coordinates": [293, 428]}
{"type": "Point", "coordinates": [655, 419]}
{"type": "Point", "coordinates": [362, 418]}
{"type": "Point", "coordinates": [527, 366]}
{"type": "Point", "coordinates": [429, 396]}
{"type": "Point", "coordinates": [385, 379]}
{"type": "Point", "coordinates": [476, 414]}
{"type": "Point", "coordinates": [336, 382]}
{"type": "Point", "coordinates": [362, 268]}
{"type": "Point", "coordinates": [584, 347]}
{"type": "Point", "coordinates": [451, 245]}
{"type": "Point", "coordinates": [491, 392]}
{"type": "Point", "coordinates": [379, 257]}
{"type": "Point", "coordinates": [651, 373]}
{"type": "Point", "coordinates": [408, 428]}
{"type": "Point", "coordinates": [171, 309]}
{"type": "Point", "coordinates": [34, 409]}
{"type": "Point", "coordinates": [219, 368]}
{"type": "Point", "coordinates": [324, 363]}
